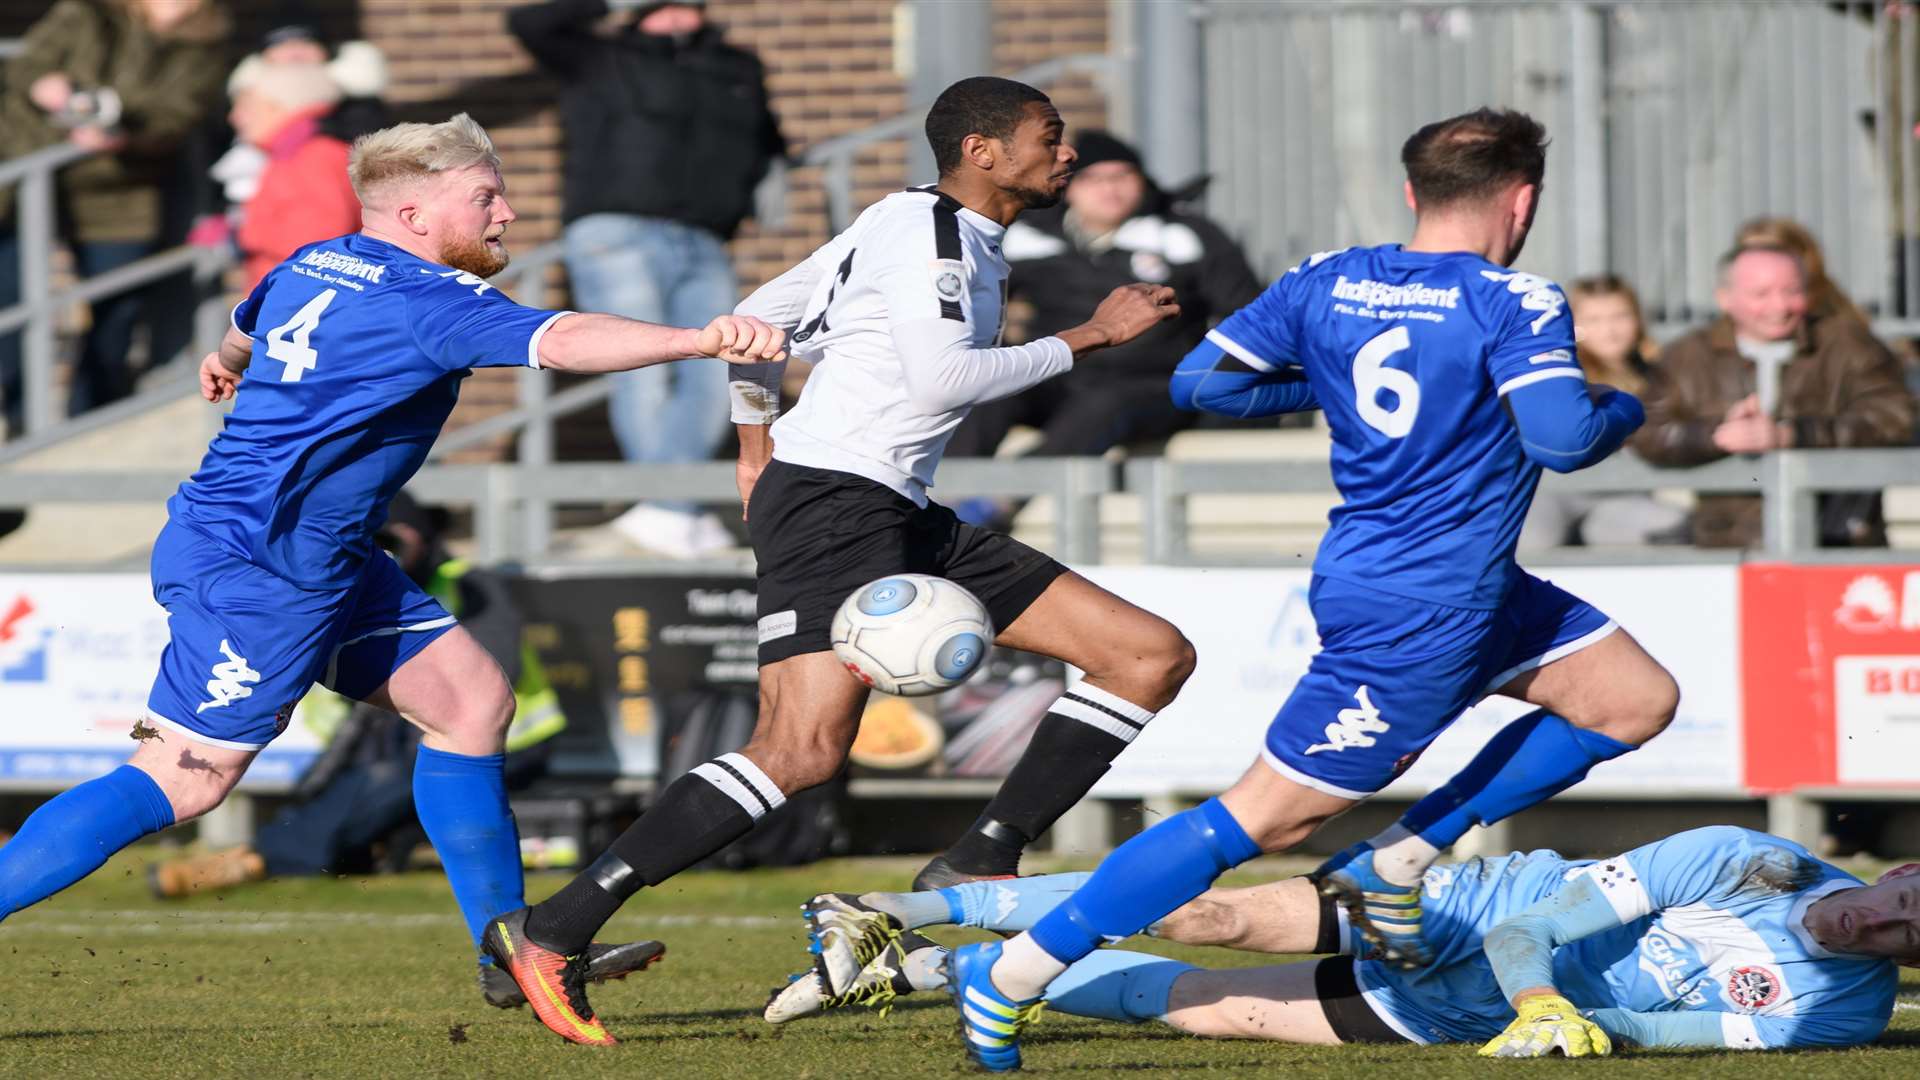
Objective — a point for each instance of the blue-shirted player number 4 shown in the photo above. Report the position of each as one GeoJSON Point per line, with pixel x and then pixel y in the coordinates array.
{"type": "Point", "coordinates": [287, 342]}
{"type": "Point", "coordinates": [1372, 375]}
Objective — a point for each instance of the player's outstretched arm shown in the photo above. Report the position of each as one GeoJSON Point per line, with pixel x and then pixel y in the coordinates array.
{"type": "Point", "coordinates": [1210, 379]}
{"type": "Point", "coordinates": [595, 344]}
{"type": "Point", "coordinates": [1126, 313]}
{"type": "Point", "coordinates": [1520, 950]}
{"type": "Point", "coordinates": [1564, 427]}
{"type": "Point", "coordinates": [222, 369]}
{"type": "Point", "coordinates": [942, 371]}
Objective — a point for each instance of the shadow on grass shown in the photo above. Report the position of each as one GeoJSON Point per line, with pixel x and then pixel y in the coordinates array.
{"type": "Point", "coordinates": [176, 1030]}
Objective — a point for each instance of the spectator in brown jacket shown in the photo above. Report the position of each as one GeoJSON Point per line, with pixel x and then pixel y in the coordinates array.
{"type": "Point", "coordinates": [1768, 376]}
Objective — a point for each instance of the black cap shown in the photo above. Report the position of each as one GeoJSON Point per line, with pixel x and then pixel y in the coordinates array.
{"type": "Point", "coordinates": [1094, 147]}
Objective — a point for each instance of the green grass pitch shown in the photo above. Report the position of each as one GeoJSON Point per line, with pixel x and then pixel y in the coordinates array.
{"type": "Point", "coordinates": [374, 977]}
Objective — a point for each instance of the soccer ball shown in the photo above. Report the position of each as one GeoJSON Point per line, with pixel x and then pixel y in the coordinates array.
{"type": "Point", "coordinates": [911, 634]}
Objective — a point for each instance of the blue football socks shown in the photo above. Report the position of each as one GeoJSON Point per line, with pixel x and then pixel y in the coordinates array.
{"type": "Point", "coordinates": [1114, 984]}
{"type": "Point", "coordinates": [73, 833]}
{"type": "Point", "coordinates": [1013, 905]}
{"type": "Point", "coordinates": [1526, 763]}
{"type": "Point", "coordinates": [1144, 879]}
{"type": "Point", "coordinates": [462, 804]}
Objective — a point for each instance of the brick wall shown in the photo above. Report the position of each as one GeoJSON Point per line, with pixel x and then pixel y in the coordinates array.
{"type": "Point", "coordinates": [830, 68]}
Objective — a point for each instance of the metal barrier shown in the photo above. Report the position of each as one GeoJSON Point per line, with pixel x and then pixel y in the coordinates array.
{"type": "Point", "coordinates": [1790, 481]}
{"type": "Point", "coordinates": [512, 504]}
{"type": "Point", "coordinates": [39, 307]}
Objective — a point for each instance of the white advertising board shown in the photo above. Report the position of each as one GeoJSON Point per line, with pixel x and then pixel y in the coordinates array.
{"type": "Point", "coordinates": [78, 653]}
{"type": "Point", "coordinates": [1254, 634]}
{"type": "Point", "coordinates": [1877, 714]}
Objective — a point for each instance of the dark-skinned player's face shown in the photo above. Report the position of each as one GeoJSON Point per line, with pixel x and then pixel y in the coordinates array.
{"type": "Point", "coordinates": [1037, 157]}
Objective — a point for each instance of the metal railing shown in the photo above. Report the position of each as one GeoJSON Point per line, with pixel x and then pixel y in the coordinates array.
{"type": "Point", "coordinates": [1790, 482]}
{"type": "Point", "coordinates": [511, 503]}
{"type": "Point", "coordinates": [37, 314]}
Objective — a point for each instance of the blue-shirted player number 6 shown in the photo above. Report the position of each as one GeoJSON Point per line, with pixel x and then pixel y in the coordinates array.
{"type": "Point", "coordinates": [287, 342]}
{"type": "Point", "coordinates": [1372, 375]}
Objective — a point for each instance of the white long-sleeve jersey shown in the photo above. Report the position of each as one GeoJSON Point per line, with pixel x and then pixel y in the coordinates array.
{"type": "Point", "coordinates": [900, 315]}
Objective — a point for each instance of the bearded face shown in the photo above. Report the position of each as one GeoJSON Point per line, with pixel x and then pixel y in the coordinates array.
{"type": "Point", "coordinates": [479, 256]}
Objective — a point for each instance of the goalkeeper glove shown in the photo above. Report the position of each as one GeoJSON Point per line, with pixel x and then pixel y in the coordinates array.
{"type": "Point", "coordinates": [1547, 1023]}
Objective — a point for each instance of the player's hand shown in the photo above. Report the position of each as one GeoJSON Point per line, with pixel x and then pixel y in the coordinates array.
{"type": "Point", "coordinates": [1132, 310]}
{"type": "Point", "coordinates": [1549, 1024]}
{"type": "Point", "coordinates": [742, 339]}
{"type": "Point", "coordinates": [217, 383]}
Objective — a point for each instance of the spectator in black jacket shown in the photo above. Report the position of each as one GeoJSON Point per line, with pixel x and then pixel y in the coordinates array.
{"type": "Point", "coordinates": [668, 132]}
{"type": "Point", "coordinates": [1115, 226]}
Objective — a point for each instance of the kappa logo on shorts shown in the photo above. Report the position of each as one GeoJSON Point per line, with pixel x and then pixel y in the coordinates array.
{"type": "Point", "coordinates": [1355, 727]}
{"type": "Point", "coordinates": [229, 682]}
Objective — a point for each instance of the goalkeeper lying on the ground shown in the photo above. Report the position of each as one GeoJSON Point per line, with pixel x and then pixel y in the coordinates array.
{"type": "Point", "coordinates": [1719, 937]}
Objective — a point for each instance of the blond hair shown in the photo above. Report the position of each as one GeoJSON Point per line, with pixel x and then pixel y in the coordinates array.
{"type": "Point", "coordinates": [406, 153]}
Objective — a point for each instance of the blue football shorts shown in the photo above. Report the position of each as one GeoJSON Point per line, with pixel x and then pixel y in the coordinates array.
{"type": "Point", "coordinates": [245, 645]}
{"type": "Point", "coordinates": [1393, 672]}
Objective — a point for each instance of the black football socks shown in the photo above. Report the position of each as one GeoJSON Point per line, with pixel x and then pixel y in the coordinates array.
{"type": "Point", "coordinates": [1073, 747]}
{"type": "Point", "coordinates": [710, 807]}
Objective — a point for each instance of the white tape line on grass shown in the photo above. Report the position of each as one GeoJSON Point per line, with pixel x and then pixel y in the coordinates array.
{"type": "Point", "coordinates": [222, 922]}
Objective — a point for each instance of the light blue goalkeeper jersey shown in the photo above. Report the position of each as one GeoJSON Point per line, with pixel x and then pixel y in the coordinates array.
{"type": "Point", "coordinates": [1705, 922]}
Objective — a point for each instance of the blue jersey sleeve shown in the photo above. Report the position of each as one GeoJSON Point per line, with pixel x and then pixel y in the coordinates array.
{"type": "Point", "coordinates": [462, 322]}
{"type": "Point", "coordinates": [1262, 335]}
{"type": "Point", "coordinates": [1738, 1031]}
{"type": "Point", "coordinates": [246, 313]}
{"type": "Point", "coordinates": [1535, 340]}
{"type": "Point", "coordinates": [1563, 428]}
{"type": "Point", "coordinates": [1210, 379]}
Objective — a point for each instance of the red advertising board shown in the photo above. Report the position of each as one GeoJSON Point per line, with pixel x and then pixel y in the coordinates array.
{"type": "Point", "coordinates": [1830, 659]}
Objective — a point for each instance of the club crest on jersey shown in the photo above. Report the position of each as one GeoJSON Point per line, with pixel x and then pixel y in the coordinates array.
{"type": "Point", "coordinates": [949, 278]}
{"type": "Point", "coordinates": [230, 679]}
{"type": "Point", "coordinates": [1753, 987]}
{"type": "Point", "coordinates": [1354, 727]}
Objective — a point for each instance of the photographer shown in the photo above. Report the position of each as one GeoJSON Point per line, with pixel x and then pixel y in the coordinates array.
{"type": "Point", "coordinates": [128, 79]}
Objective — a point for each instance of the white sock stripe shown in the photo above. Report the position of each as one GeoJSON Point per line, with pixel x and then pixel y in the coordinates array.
{"type": "Point", "coordinates": [728, 785]}
{"type": "Point", "coordinates": [1091, 693]}
{"type": "Point", "coordinates": [1094, 717]}
{"type": "Point", "coordinates": [761, 782]}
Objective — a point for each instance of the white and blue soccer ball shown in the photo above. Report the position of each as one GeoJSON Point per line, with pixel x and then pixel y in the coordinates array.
{"type": "Point", "coordinates": [912, 634]}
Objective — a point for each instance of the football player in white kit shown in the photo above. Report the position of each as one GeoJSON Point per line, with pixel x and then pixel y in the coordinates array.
{"type": "Point", "coordinates": [902, 315]}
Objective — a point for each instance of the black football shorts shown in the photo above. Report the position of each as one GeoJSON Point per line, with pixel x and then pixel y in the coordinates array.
{"type": "Point", "coordinates": [819, 534]}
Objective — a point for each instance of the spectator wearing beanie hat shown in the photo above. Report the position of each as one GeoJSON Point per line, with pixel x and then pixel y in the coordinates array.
{"type": "Point", "coordinates": [1115, 226]}
{"type": "Point", "coordinates": [304, 194]}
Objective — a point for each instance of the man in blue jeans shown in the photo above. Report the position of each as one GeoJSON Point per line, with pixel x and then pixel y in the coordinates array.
{"type": "Point", "coordinates": [668, 132]}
